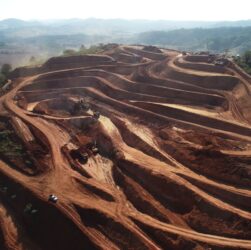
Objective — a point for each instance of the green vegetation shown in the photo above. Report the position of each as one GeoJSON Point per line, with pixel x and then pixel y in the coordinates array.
{"type": "Point", "coordinates": [244, 61]}
{"type": "Point", "coordinates": [69, 52]}
{"type": "Point", "coordinates": [50, 39]}
{"type": "Point", "coordinates": [5, 70]}
{"type": "Point", "coordinates": [8, 146]}
{"type": "Point", "coordinates": [13, 151]}
{"type": "Point", "coordinates": [93, 49]}
{"type": "Point", "coordinates": [2, 79]}
{"type": "Point", "coordinates": [235, 39]}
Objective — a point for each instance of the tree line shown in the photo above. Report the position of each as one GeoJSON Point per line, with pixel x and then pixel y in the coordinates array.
{"type": "Point", "coordinates": [244, 61]}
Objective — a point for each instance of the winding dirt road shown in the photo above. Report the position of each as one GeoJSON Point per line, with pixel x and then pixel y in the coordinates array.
{"type": "Point", "coordinates": [174, 151]}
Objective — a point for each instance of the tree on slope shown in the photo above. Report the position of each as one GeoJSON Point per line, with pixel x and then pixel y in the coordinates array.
{"type": "Point", "coordinates": [6, 68]}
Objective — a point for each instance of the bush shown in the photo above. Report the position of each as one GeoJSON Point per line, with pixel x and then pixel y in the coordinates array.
{"type": "Point", "coordinates": [93, 49]}
{"type": "Point", "coordinates": [245, 61]}
{"type": "Point", "coordinates": [247, 58]}
{"type": "Point", "coordinates": [2, 79]}
{"type": "Point", "coordinates": [69, 52]}
{"type": "Point", "coordinates": [6, 68]}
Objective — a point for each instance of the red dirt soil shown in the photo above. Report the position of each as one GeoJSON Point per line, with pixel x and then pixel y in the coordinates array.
{"type": "Point", "coordinates": [172, 166]}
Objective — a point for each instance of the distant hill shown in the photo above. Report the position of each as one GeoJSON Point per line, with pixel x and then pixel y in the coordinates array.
{"type": "Point", "coordinates": [242, 23]}
{"type": "Point", "coordinates": [20, 40]}
{"type": "Point", "coordinates": [92, 26]}
{"type": "Point", "coordinates": [235, 39]}
{"type": "Point", "coordinates": [12, 23]}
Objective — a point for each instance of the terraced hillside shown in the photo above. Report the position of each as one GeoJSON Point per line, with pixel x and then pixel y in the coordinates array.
{"type": "Point", "coordinates": [144, 148]}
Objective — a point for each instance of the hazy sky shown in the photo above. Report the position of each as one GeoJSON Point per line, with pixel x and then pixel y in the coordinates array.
{"type": "Point", "coordinates": [129, 9]}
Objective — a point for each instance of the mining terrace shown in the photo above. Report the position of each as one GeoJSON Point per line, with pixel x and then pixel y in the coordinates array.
{"type": "Point", "coordinates": [133, 148]}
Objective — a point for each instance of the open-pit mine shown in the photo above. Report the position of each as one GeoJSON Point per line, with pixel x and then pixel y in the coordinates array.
{"type": "Point", "coordinates": [133, 148]}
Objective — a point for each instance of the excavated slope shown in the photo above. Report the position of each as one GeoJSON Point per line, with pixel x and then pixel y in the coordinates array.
{"type": "Point", "coordinates": [172, 169]}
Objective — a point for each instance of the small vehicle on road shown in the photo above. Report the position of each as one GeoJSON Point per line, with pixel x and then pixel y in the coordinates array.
{"type": "Point", "coordinates": [53, 198]}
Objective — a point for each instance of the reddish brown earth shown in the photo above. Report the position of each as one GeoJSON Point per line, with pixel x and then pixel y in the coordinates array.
{"type": "Point", "coordinates": [173, 167]}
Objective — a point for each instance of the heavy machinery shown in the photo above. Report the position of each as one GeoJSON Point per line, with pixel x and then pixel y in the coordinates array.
{"type": "Point", "coordinates": [81, 106]}
{"type": "Point", "coordinates": [96, 115]}
{"type": "Point", "coordinates": [221, 62]}
{"type": "Point", "coordinates": [93, 148]}
{"type": "Point", "coordinates": [84, 105]}
{"type": "Point", "coordinates": [79, 155]}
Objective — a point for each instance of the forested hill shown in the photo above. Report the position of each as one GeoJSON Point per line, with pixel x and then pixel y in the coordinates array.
{"type": "Point", "coordinates": [235, 39]}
